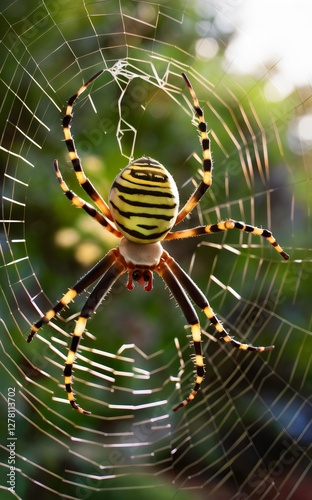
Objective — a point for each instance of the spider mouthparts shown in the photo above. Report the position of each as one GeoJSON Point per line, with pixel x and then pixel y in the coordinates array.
{"type": "Point", "coordinates": [129, 284]}
{"type": "Point", "coordinates": [148, 285]}
{"type": "Point", "coordinates": [144, 277]}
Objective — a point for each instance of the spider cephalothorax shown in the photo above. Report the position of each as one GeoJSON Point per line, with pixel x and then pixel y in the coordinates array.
{"type": "Point", "coordinates": [142, 210]}
{"type": "Point", "coordinates": [140, 262]}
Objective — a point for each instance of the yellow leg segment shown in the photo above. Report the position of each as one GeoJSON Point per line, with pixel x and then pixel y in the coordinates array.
{"type": "Point", "coordinates": [79, 329]}
{"type": "Point", "coordinates": [68, 297]}
{"type": "Point", "coordinates": [226, 337]}
{"type": "Point", "coordinates": [228, 225]}
{"type": "Point", "coordinates": [199, 363]}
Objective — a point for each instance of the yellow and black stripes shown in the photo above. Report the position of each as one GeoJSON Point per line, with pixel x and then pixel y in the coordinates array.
{"type": "Point", "coordinates": [228, 225]}
{"type": "Point", "coordinates": [93, 301]}
{"type": "Point", "coordinates": [80, 203]}
{"type": "Point", "coordinates": [207, 160]}
{"type": "Point", "coordinates": [109, 269]}
{"type": "Point", "coordinates": [179, 282]}
{"type": "Point", "coordinates": [79, 329]}
{"type": "Point", "coordinates": [95, 273]}
{"type": "Point", "coordinates": [166, 271]}
{"type": "Point", "coordinates": [144, 201]}
{"type": "Point", "coordinates": [226, 337]}
{"type": "Point", "coordinates": [73, 155]}
{"type": "Point", "coordinates": [143, 208]}
{"type": "Point", "coordinates": [66, 299]}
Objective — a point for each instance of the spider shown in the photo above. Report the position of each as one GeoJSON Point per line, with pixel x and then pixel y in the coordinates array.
{"type": "Point", "coordinates": [142, 210]}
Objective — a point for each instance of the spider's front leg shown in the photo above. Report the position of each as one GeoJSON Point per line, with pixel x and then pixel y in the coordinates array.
{"type": "Point", "coordinates": [94, 274]}
{"type": "Point", "coordinates": [191, 317]}
{"type": "Point", "coordinates": [201, 301]}
{"type": "Point", "coordinates": [93, 301]}
{"type": "Point", "coordinates": [108, 269]}
{"type": "Point", "coordinates": [177, 281]}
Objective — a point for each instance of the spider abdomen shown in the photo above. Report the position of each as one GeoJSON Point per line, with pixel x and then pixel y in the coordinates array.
{"type": "Point", "coordinates": [144, 201]}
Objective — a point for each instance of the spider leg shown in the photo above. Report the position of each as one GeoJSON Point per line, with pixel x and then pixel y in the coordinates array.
{"type": "Point", "coordinates": [181, 279]}
{"type": "Point", "coordinates": [93, 301]}
{"type": "Point", "coordinates": [201, 301]}
{"type": "Point", "coordinates": [95, 273]}
{"type": "Point", "coordinates": [207, 161]}
{"type": "Point", "coordinates": [227, 225]}
{"type": "Point", "coordinates": [80, 203]}
{"type": "Point", "coordinates": [191, 317]}
{"type": "Point", "coordinates": [84, 182]}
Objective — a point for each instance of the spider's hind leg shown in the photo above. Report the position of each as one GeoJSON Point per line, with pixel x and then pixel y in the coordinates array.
{"type": "Point", "coordinates": [81, 203]}
{"type": "Point", "coordinates": [83, 180]}
{"type": "Point", "coordinates": [207, 160]}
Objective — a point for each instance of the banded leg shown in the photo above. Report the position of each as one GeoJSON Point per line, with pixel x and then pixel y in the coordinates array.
{"type": "Point", "coordinates": [181, 279]}
{"type": "Point", "coordinates": [207, 161]}
{"type": "Point", "coordinates": [80, 203]}
{"type": "Point", "coordinates": [227, 226]}
{"type": "Point", "coordinates": [201, 301]}
{"type": "Point", "coordinates": [191, 317]}
{"type": "Point", "coordinates": [95, 273]}
{"type": "Point", "coordinates": [73, 155]}
{"type": "Point", "coordinates": [93, 301]}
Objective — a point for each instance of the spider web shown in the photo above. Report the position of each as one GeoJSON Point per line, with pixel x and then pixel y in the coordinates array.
{"type": "Point", "coordinates": [248, 432]}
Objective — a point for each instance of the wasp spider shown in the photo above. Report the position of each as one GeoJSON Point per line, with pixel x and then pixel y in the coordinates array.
{"type": "Point", "coordinates": [142, 209]}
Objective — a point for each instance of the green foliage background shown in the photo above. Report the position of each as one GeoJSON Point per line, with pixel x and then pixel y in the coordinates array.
{"type": "Point", "coordinates": [33, 50]}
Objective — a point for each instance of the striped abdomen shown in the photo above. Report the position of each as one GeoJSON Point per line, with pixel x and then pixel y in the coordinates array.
{"type": "Point", "coordinates": [144, 201]}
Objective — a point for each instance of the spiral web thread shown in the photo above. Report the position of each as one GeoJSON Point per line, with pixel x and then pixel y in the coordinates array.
{"type": "Point", "coordinates": [248, 432]}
